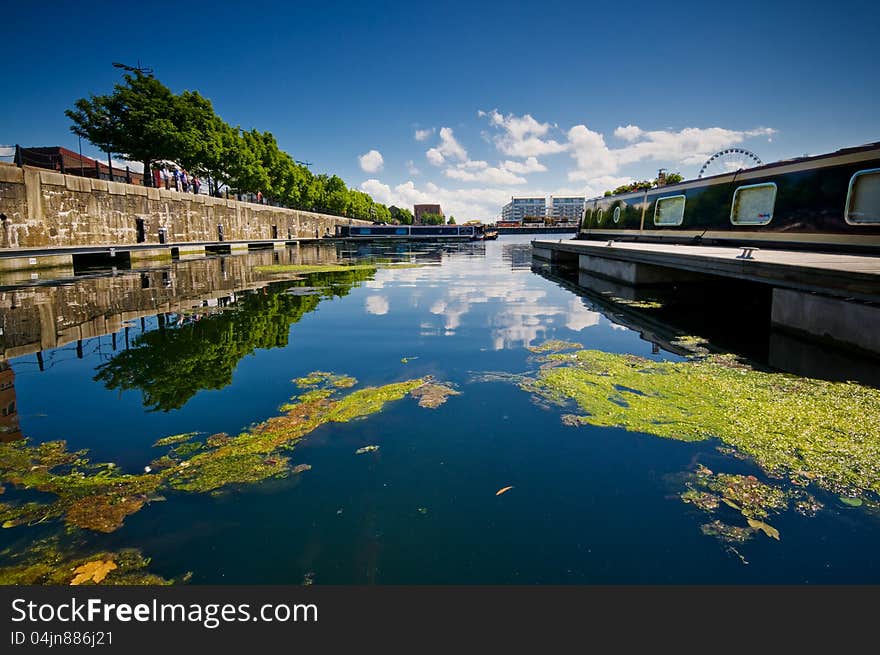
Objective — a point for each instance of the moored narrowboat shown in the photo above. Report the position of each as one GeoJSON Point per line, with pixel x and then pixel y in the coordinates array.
{"type": "Point", "coordinates": [827, 202]}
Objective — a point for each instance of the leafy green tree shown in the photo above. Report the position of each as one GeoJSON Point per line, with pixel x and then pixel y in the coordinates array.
{"type": "Point", "coordinates": [451, 220]}
{"type": "Point", "coordinates": [433, 219]}
{"type": "Point", "coordinates": [136, 120]}
{"type": "Point", "coordinates": [381, 212]}
{"type": "Point", "coordinates": [400, 215]}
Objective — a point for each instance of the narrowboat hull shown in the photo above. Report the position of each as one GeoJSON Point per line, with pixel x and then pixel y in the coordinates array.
{"type": "Point", "coordinates": [405, 232]}
{"type": "Point", "coordinates": [829, 202]}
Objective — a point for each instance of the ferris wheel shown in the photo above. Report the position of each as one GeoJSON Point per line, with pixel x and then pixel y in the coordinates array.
{"type": "Point", "coordinates": [729, 160]}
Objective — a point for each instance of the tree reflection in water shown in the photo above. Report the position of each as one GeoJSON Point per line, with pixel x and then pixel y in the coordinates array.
{"type": "Point", "coordinates": [172, 364]}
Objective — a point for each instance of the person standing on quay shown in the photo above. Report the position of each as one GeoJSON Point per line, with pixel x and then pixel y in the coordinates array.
{"type": "Point", "coordinates": [196, 185]}
{"type": "Point", "coordinates": [165, 177]}
{"type": "Point", "coordinates": [184, 180]}
{"type": "Point", "coordinates": [176, 174]}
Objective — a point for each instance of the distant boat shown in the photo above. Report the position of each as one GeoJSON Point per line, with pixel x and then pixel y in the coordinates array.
{"type": "Point", "coordinates": [490, 235]}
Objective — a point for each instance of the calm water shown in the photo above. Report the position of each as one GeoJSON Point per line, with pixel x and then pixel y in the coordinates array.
{"type": "Point", "coordinates": [211, 346]}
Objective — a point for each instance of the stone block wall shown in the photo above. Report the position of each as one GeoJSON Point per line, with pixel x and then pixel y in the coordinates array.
{"type": "Point", "coordinates": [45, 209]}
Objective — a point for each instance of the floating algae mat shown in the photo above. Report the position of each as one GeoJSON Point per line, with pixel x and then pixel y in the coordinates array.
{"type": "Point", "coordinates": [810, 431]}
{"type": "Point", "coordinates": [99, 497]}
{"type": "Point", "coordinates": [47, 562]}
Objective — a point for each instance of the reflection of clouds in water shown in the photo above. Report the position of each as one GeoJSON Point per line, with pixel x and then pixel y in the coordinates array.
{"type": "Point", "coordinates": [377, 305]}
{"type": "Point", "coordinates": [579, 317]}
{"type": "Point", "coordinates": [374, 284]}
{"type": "Point", "coordinates": [525, 314]}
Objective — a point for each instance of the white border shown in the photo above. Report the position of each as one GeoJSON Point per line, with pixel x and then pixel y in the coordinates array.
{"type": "Point", "coordinates": [615, 215]}
{"type": "Point", "coordinates": [753, 186]}
{"type": "Point", "coordinates": [852, 181]}
{"type": "Point", "coordinates": [657, 207]}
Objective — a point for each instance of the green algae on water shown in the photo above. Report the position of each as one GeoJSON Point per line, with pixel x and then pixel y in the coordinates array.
{"type": "Point", "coordinates": [554, 346]}
{"type": "Point", "coordinates": [99, 497]}
{"type": "Point", "coordinates": [324, 379]}
{"type": "Point", "coordinates": [813, 431]}
{"type": "Point", "coordinates": [174, 439]}
{"type": "Point", "coordinates": [46, 562]}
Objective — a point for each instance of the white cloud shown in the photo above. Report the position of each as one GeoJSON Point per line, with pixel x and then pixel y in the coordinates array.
{"type": "Point", "coordinates": [593, 157]}
{"type": "Point", "coordinates": [422, 135]}
{"type": "Point", "coordinates": [377, 305]}
{"type": "Point", "coordinates": [484, 186]}
{"type": "Point", "coordinates": [521, 135]}
{"type": "Point", "coordinates": [628, 133]}
{"type": "Point", "coordinates": [530, 165]}
{"type": "Point", "coordinates": [449, 148]}
{"type": "Point", "coordinates": [412, 169]}
{"type": "Point", "coordinates": [477, 202]}
{"type": "Point", "coordinates": [120, 164]}
{"type": "Point", "coordinates": [480, 171]}
{"type": "Point", "coordinates": [690, 146]}
{"type": "Point", "coordinates": [371, 162]}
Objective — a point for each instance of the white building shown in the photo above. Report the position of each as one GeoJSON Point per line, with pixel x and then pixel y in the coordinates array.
{"type": "Point", "coordinates": [522, 207]}
{"type": "Point", "coordinates": [568, 209]}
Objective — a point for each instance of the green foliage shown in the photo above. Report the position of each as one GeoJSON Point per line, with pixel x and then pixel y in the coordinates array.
{"type": "Point", "coordinates": [433, 219]}
{"type": "Point", "coordinates": [671, 178]}
{"type": "Point", "coordinates": [400, 216]}
{"type": "Point", "coordinates": [451, 220]}
{"type": "Point", "coordinates": [144, 121]}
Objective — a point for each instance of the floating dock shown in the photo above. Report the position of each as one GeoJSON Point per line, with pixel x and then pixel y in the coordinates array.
{"type": "Point", "coordinates": [833, 297]}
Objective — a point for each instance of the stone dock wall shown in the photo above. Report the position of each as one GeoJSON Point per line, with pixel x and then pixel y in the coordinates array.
{"type": "Point", "coordinates": [45, 317]}
{"type": "Point", "coordinates": [46, 209]}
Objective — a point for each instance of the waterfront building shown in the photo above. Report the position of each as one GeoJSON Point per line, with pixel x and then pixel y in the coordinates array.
{"type": "Point", "coordinates": [520, 208]}
{"type": "Point", "coordinates": [566, 209]}
{"type": "Point", "coordinates": [63, 160]}
{"type": "Point", "coordinates": [421, 210]}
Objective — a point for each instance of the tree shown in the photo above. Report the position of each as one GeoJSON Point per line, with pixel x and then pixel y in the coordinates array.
{"type": "Point", "coordinates": [136, 120]}
{"type": "Point", "coordinates": [400, 215]}
{"type": "Point", "coordinates": [144, 121]}
{"type": "Point", "coordinates": [433, 219]}
{"type": "Point", "coordinates": [451, 220]}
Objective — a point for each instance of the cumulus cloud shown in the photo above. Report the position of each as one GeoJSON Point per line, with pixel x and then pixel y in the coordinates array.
{"type": "Point", "coordinates": [530, 165]}
{"type": "Point", "coordinates": [687, 147]}
{"type": "Point", "coordinates": [371, 162]}
{"type": "Point", "coordinates": [521, 136]}
{"type": "Point", "coordinates": [628, 133]}
{"type": "Point", "coordinates": [411, 168]}
{"type": "Point", "coordinates": [482, 202]}
{"type": "Point", "coordinates": [422, 135]}
{"type": "Point", "coordinates": [448, 149]}
{"type": "Point", "coordinates": [480, 171]}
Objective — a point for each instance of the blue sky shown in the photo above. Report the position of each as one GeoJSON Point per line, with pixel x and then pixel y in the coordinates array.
{"type": "Point", "coordinates": [469, 103]}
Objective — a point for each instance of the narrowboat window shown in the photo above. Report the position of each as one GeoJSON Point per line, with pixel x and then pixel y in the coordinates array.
{"type": "Point", "coordinates": [600, 216]}
{"type": "Point", "coordinates": [863, 198]}
{"type": "Point", "coordinates": [753, 204]}
{"type": "Point", "coordinates": [616, 216]}
{"type": "Point", "coordinates": [669, 210]}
